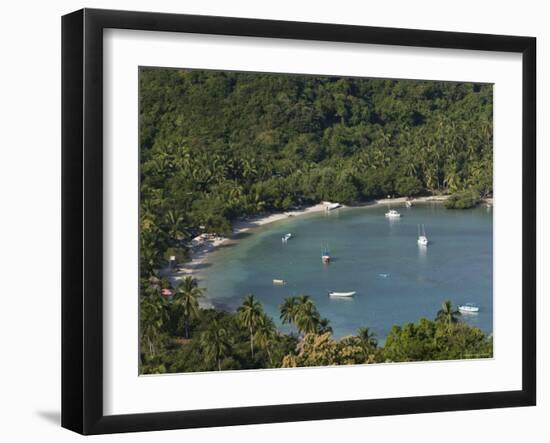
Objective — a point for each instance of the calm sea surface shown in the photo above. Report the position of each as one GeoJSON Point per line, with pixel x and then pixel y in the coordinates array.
{"type": "Point", "coordinates": [396, 280]}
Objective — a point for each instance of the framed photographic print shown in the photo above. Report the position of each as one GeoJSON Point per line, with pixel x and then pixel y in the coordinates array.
{"type": "Point", "coordinates": [269, 221]}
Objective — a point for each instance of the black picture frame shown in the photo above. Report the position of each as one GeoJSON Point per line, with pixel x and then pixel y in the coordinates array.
{"type": "Point", "coordinates": [82, 218]}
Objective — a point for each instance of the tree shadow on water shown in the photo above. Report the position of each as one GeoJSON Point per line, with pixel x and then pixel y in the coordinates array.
{"type": "Point", "coordinates": [201, 265]}
{"type": "Point", "coordinates": [241, 235]}
{"type": "Point", "coordinates": [227, 245]}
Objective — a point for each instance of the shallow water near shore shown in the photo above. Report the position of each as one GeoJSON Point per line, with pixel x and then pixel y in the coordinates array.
{"type": "Point", "coordinates": [396, 280]}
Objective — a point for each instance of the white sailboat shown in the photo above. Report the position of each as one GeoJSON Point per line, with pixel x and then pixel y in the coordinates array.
{"type": "Point", "coordinates": [422, 239]}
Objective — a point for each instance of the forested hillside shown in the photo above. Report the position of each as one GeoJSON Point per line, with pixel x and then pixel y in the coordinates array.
{"type": "Point", "coordinates": [220, 145]}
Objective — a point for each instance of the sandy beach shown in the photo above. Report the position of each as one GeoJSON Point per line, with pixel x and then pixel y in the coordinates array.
{"type": "Point", "coordinates": [199, 253]}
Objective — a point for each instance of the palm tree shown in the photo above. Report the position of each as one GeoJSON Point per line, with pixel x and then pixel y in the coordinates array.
{"type": "Point", "coordinates": [257, 203]}
{"type": "Point", "coordinates": [368, 338]}
{"type": "Point", "coordinates": [175, 223]}
{"type": "Point", "coordinates": [249, 316]}
{"type": "Point", "coordinates": [288, 311]}
{"type": "Point", "coordinates": [307, 317]}
{"type": "Point", "coordinates": [447, 314]}
{"type": "Point", "coordinates": [148, 254]}
{"type": "Point", "coordinates": [452, 179]}
{"type": "Point", "coordinates": [188, 283]}
{"type": "Point", "coordinates": [187, 298]}
{"type": "Point", "coordinates": [216, 343]}
{"type": "Point", "coordinates": [249, 170]}
{"type": "Point", "coordinates": [324, 326]}
{"type": "Point", "coordinates": [152, 318]}
{"type": "Point", "coordinates": [161, 164]}
{"type": "Point", "coordinates": [266, 333]}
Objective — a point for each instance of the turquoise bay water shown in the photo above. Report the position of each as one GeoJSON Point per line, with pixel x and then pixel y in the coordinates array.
{"type": "Point", "coordinates": [457, 265]}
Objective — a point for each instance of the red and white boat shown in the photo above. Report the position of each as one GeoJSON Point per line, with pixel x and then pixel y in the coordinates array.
{"type": "Point", "coordinates": [325, 256]}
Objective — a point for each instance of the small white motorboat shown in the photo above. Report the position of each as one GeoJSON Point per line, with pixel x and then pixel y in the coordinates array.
{"type": "Point", "coordinates": [468, 308]}
{"type": "Point", "coordinates": [277, 281]}
{"type": "Point", "coordinates": [422, 239]}
{"type": "Point", "coordinates": [341, 294]}
{"type": "Point", "coordinates": [286, 237]}
{"type": "Point", "coordinates": [392, 213]}
{"type": "Point", "coordinates": [384, 275]}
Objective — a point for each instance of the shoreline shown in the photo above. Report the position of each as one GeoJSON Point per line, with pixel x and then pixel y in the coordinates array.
{"type": "Point", "coordinates": [199, 254]}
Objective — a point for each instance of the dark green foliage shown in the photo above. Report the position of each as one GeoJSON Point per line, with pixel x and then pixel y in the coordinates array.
{"type": "Point", "coordinates": [248, 339]}
{"type": "Point", "coordinates": [180, 255]}
{"type": "Point", "coordinates": [446, 338]}
{"type": "Point", "coordinates": [462, 200]}
{"type": "Point", "coordinates": [408, 185]}
{"type": "Point", "coordinates": [216, 146]}
{"type": "Point", "coordinates": [429, 340]}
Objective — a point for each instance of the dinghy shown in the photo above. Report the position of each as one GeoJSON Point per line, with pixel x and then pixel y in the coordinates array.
{"type": "Point", "coordinates": [286, 237]}
{"type": "Point", "coordinates": [341, 294]}
{"type": "Point", "coordinates": [468, 308]}
{"type": "Point", "coordinates": [392, 213]}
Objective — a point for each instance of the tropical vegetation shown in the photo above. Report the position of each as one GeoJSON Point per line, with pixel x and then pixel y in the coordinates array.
{"type": "Point", "coordinates": [219, 146]}
{"type": "Point", "coordinates": [249, 339]}
{"type": "Point", "coordinates": [462, 200]}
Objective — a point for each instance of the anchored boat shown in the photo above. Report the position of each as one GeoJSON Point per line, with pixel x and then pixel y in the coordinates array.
{"type": "Point", "coordinates": [286, 237]}
{"type": "Point", "coordinates": [341, 294]}
{"type": "Point", "coordinates": [422, 239]}
{"type": "Point", "coordinates": [392, 213]}
{"type": "Point", "coordinates": [468, 308]}
{"type": "Point", "coordinates": [325, 256]}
